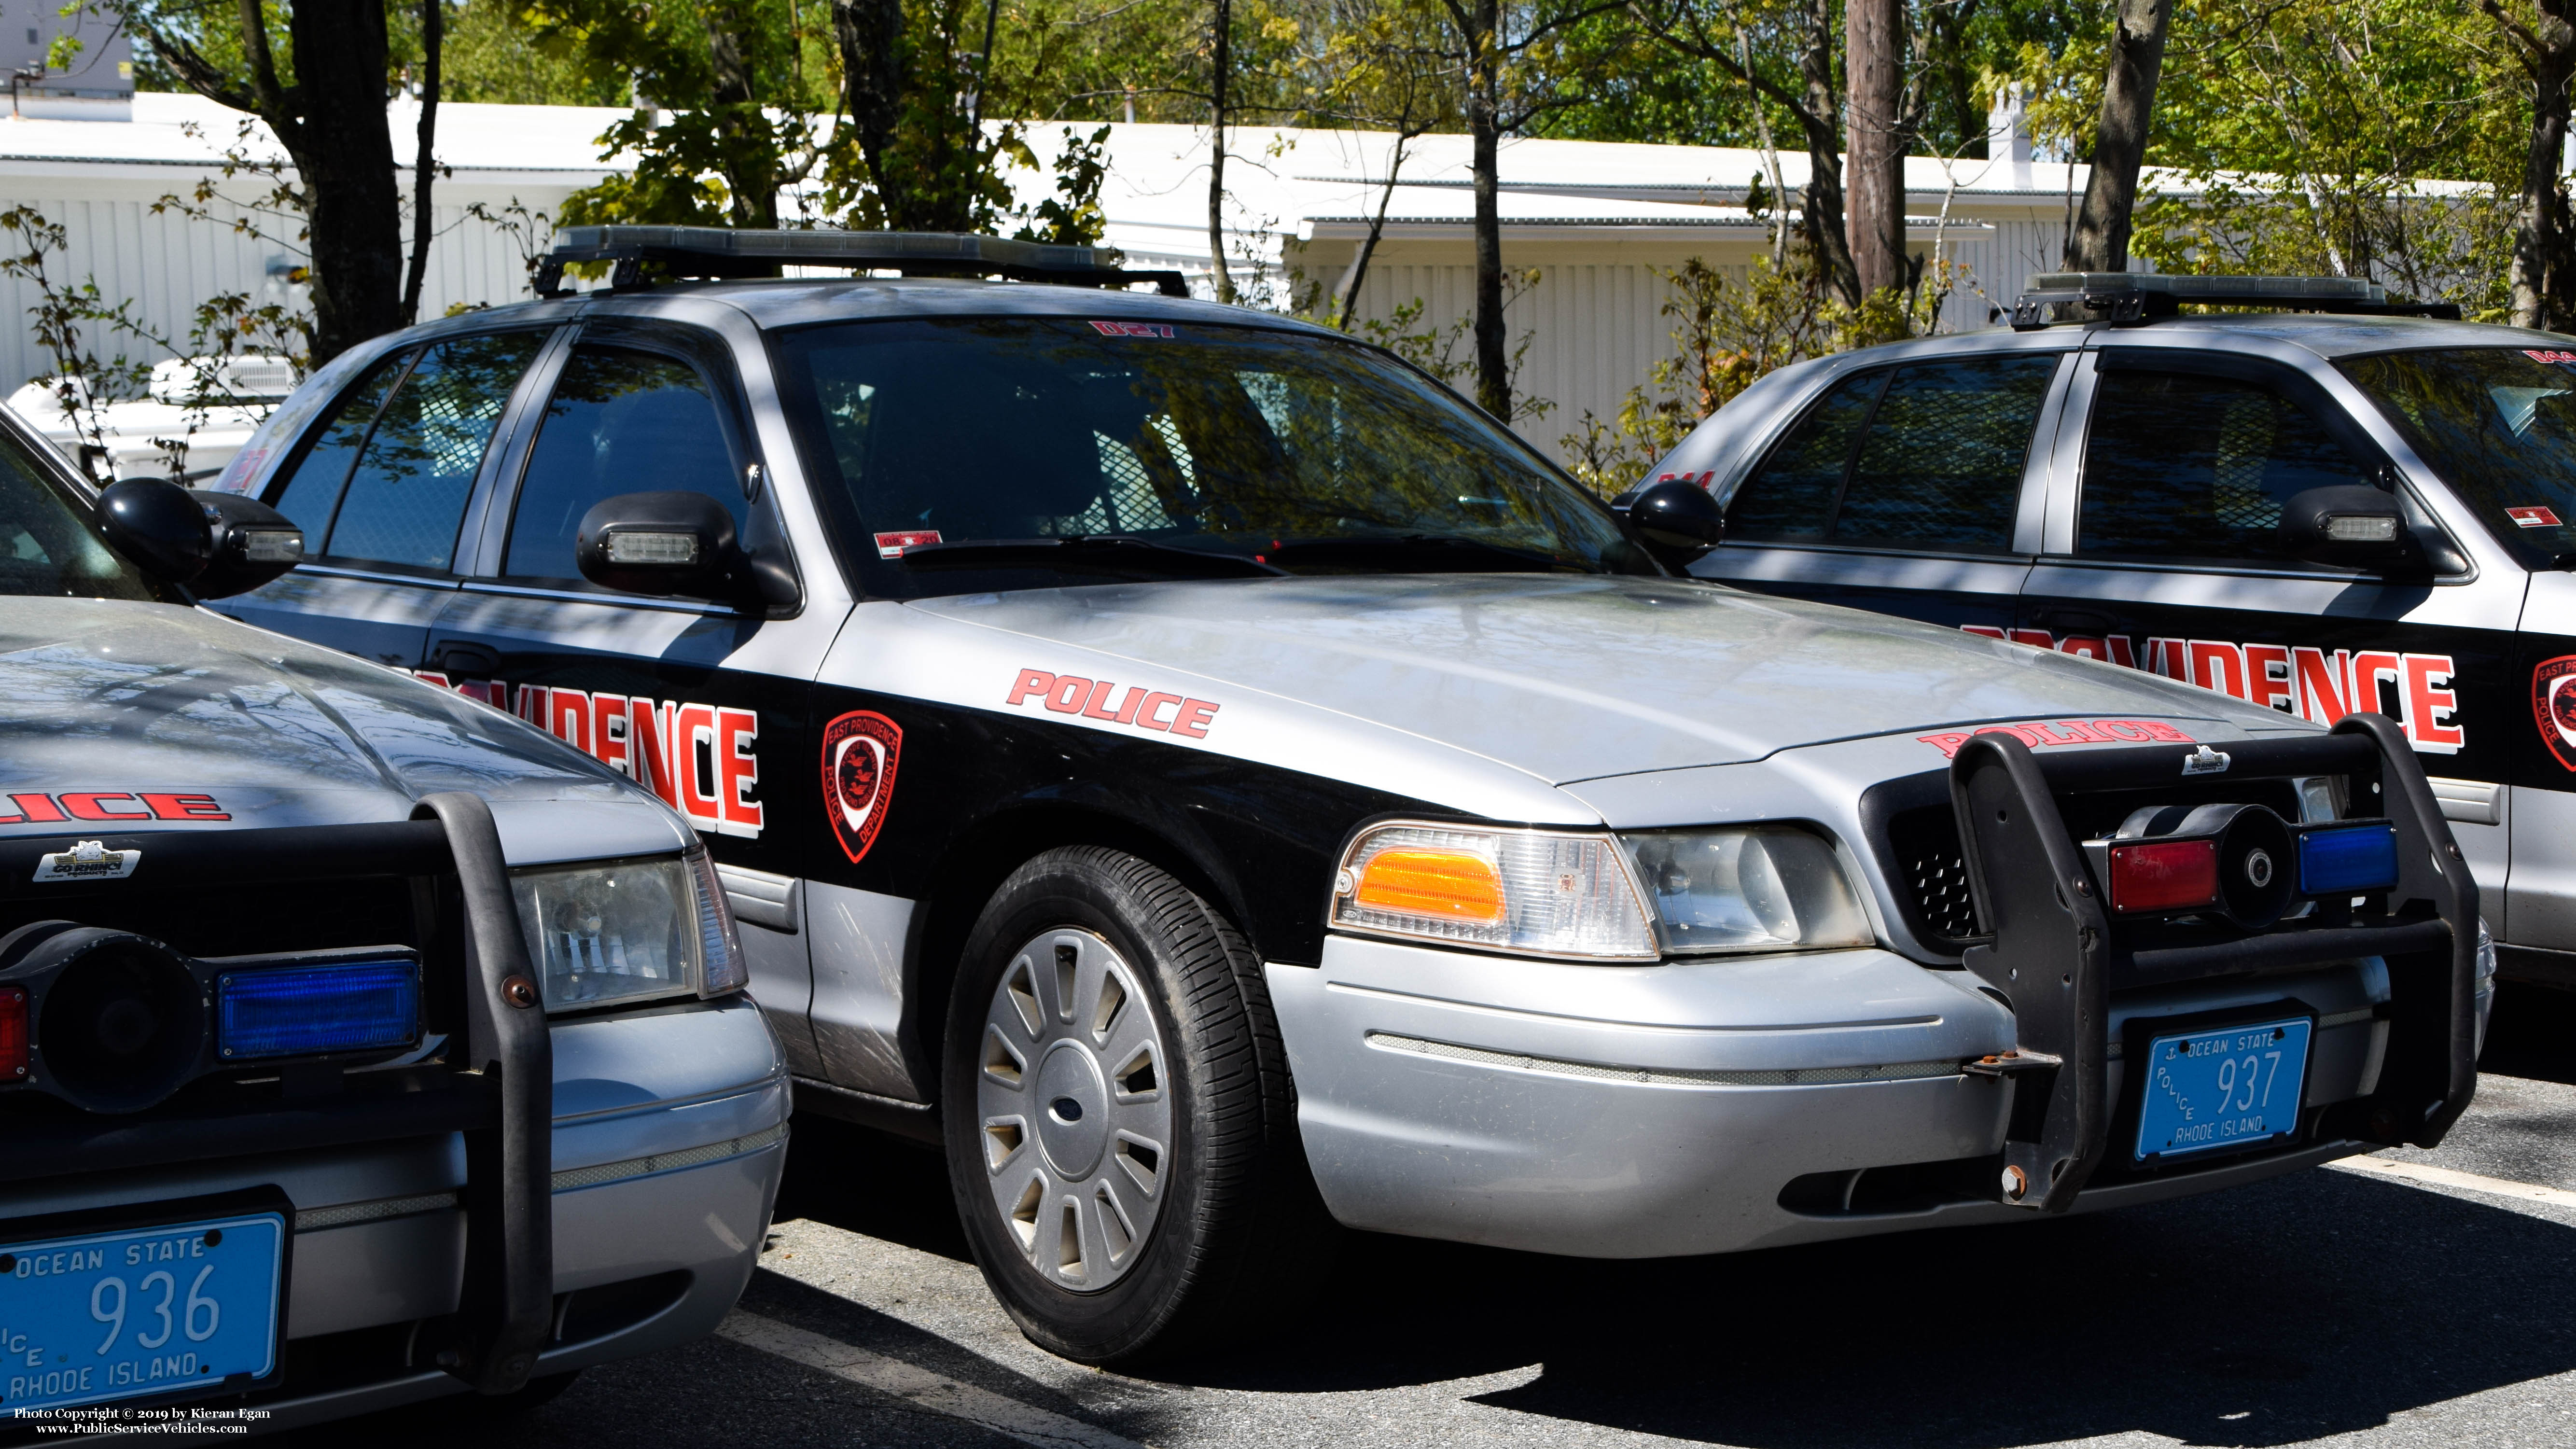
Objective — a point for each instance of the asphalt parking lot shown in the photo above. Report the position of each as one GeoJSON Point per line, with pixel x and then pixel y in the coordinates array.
{"type": "Point", "coordinates": [2335, 1305]}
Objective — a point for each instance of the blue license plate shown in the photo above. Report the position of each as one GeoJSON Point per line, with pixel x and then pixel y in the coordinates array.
{"type": "Point", "coordinates": [2223, 1090]}
{"type": "Point", "coordinates": [158, 1310]}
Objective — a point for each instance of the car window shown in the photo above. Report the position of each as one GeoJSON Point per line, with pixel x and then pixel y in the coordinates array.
{"type": "Point", "coordinates": [1297, 452]}
{"type": "Point", "coordinates": [311, 491]}
{"type": "Point", "coordinates": [2183, 466]}
{"type": "Point", "coordinates": [1793, 496]}
{"type": "Point", "coordinates": [406, 495]}
{"type": "Point", "coordinates": [1927, 456]}
{"type": "Point", "coordinates": [1941, 464]}
{"type": "Point", "coordinates": [622, 420]}
{"type": "Point", "coordinates": [2499, 425]}
{"type": "Point", "coordinates": [49, 545]}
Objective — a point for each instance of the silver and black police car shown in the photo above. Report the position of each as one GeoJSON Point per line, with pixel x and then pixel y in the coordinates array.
{"type": "Point", "coordinates": [2364, 507]}
{"type": "Point", "coordinates": [358, 1045]}
{"type": "Point", "coordinates": [1222, 786]}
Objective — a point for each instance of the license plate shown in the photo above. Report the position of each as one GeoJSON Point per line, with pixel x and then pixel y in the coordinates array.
{"type": "Point", "coordinates": [2223, 1090]}
{"type": "Point", "coordinates": [158, 1310]}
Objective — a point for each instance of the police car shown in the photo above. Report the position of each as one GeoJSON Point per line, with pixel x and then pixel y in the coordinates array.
{"type": "Point", "coordinates": [358, 1045]}
{"type": "Point", "coordinates": [2346, 509]}
{"type": "Point", "coordinates": [1221, 786]}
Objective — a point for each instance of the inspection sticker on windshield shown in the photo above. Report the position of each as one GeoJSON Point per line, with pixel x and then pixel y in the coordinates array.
{"type": "Point", "coordinates": [892, 545]}
{"type": "Point", "coordinates": [1132, 329]}
{"type": "Point", "coordinates": [88, 860]}
{"type": "Point", "coordinates": [2533, 517]}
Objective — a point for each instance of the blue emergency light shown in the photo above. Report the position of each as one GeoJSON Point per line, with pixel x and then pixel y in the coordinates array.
{"type": "Point", "coordinates": [308, 1010]}
{"type": "Point", "coordinates": [2346, 859]}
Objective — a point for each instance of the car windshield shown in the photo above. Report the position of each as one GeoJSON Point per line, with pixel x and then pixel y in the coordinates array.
{"type": "Point", "coordinates": [1037, 452]}
{"type": "Point", "coordinates": [2499, 425]}
{"type": "Point", "coordinates": [50, 545]}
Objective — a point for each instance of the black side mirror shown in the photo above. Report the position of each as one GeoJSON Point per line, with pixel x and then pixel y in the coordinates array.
{"type": "Point", "coordinates": [253, 543]}
{"type": "Point", "coordinates": [660, 543]}
{"type": "Point", "coordinates": [2348, 526]}
{"type": "Point", "coordinates": [1677, 521]}
{"type": "Point", "coordinates": [156, 524]}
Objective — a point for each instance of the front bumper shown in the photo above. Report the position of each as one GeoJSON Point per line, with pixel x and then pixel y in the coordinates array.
{"type": "Point", "coordinates": [1707, 1107]}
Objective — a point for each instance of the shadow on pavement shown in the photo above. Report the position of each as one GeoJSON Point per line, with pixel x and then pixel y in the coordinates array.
{"type": "Point", "coordinates": [2532, 1033]}
{"type": "Point", "coordinates": [2317, 1304]}
{"type": "Point", "coordinates": [867, 1182]}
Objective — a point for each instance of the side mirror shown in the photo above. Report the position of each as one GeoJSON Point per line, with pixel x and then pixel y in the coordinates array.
{"type": "Point", "coordinates": [159, 526]}
{"type": "Point", "coordinates": [2348, 526]}
{"type": "Point", "coordinates": [660, 543]}
{"type": "Point", "coordinates": [1677, 521]}
{"type": "Point", "coordinates": [253, 544]}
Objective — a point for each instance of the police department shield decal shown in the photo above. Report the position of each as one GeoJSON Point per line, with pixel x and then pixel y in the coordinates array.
{"type": "Point", "coordinates": [860, 752]}
{"type": "Point", "coordinates": [2553, 704]}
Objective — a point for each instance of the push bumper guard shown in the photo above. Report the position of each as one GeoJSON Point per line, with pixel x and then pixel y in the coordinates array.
{"type": "Point", "coordinates": [493, 1082]}
{"type": "Point", "coordinates": [2056, 952]}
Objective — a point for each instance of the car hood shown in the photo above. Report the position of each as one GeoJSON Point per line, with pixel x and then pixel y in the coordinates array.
{"type": "Point", "coordinates": [132, 717]}
{"type": "Point", "coordinates": [1575, 678]}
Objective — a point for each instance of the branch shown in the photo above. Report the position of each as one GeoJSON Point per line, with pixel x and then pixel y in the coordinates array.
{"type": "Point", "coordinates": [201, 74]}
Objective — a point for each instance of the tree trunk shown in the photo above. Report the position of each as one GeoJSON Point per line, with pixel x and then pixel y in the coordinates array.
{"type": "Point", "coordinates": [2101, 239]}
{"type": "Point", "coordinates": [1484, 127]}
{"type": "Point", "coordinates": [1820, 212]}
{"type": "Point", "coordinates": [344, 160]}
{"type": "Point", "coordinates": [2540, 240]}
{"type": "Point", "coordinates": [869, 34]}
{"type": "Point", "coordinates": [1874, 69]}
{"type": "Point", "coordinates": [1221, 70]}
{"type": "Point", "coordinates": [433, 38]}
{"type": "Point", "coordinates": [1346, 295]}
{"type": "Point", "coordinates": [750, 160]}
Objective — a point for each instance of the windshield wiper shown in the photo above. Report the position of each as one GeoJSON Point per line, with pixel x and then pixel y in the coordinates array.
{"type": "Point", "coordinates": [1425, 552]}
{"type": "Point", "coordinates": [1088, 552]}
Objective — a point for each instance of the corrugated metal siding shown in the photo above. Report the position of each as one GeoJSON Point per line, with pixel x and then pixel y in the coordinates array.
{"type": "Point", "coordinates": [167, 264]}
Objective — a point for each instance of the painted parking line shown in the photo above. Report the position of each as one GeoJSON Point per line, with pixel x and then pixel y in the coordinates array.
{"type": "Point", "coordinates": [2426, 1175]}
{"type": "Point", "coordinates": [917, 1386]}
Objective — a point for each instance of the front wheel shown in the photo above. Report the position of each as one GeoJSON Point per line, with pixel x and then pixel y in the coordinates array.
{"type": "Point", "coordinates": [1120, 1130]}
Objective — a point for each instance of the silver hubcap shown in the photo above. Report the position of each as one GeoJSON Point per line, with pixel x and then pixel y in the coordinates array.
{"type": "Point", "coordinates": [1076, 1109]}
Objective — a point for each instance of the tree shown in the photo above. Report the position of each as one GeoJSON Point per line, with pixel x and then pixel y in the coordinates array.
{"type": "Point", "coordinates": [2544, 251]}
{"type": "Point", "coordinates": [1874, 66]}
{"type": "Point", "coordinates": [1708, 30]}
{"type": "Point", "coordinates": [739, 128]}
{"type": "Point", "coordinates": [1495, 53]}
{"type": "Point", "coordinates": [325, 103]}
{"type": "Point", "coordinates": [2100, 242]}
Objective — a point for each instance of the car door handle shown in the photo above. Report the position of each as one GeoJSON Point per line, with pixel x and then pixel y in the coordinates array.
{"type": "Point", "coordinates": [2076, 621]}
{"type": "Point", "coordinates": [465, 661]}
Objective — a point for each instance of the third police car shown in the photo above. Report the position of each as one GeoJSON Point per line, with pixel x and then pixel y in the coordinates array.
{"type": "Point", "coordinates": [1223, 786]}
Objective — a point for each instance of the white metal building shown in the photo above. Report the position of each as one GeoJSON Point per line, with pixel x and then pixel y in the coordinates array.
{"type": "Point", "coordinates": [1597, 220]}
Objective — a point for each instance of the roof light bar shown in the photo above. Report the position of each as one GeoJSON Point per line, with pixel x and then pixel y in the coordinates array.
{"type": "Point", "coordinates": [2143, 296]}
{"type": "Point", "coordinates": [717, 251]}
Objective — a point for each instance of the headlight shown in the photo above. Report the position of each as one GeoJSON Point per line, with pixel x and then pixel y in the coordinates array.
{"type": "Point", "coordinates": [628, 931]}
{"type": "Point", "coordinates": [1748, 888]}
{"type": "Point", "coordinates": [1539, 892]}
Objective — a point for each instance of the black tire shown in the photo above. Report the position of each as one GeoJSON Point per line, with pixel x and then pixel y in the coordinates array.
{"type": "Point", "coordinates": [1239, 1231]}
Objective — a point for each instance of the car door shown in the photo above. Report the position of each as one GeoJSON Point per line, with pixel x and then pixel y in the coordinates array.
{"type": "Point", "coordinates": [701, 700]}
{"type": "Point", "coordinates": [2162, 553]}
{"type": "Point", "coordinates": [381, 487]}
{"type": "Point", "coordinates": [1902, 490]}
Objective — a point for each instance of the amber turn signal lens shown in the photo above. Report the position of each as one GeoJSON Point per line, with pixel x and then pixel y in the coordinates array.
{"type": "Point", "coordinates": [1453, 884]}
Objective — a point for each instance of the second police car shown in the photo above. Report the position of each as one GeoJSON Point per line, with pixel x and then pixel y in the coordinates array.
{"type": "Point", "coordinates": [2111, 478]}
{"type": "Point", "coordinates": [1222, 786]}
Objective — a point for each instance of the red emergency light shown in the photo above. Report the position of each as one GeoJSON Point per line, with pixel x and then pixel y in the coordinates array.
{"type": "Point", "coordinates": [2164, 875]}
{"type": "Point", "coordinates": [13, 1033]}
